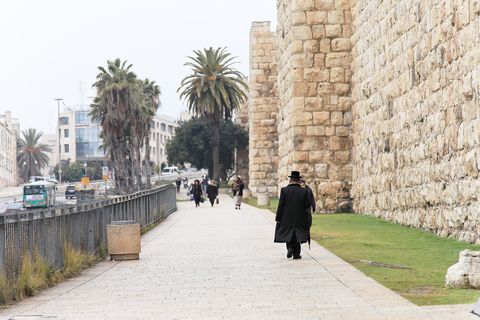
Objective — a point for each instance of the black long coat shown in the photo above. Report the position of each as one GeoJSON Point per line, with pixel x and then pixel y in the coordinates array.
{"type": "Point", "coordinates": [212, 191]}
{"type": "Point", "coordinates": [196, 191]}
{"type": "Point", "coordinates": [293, 214]}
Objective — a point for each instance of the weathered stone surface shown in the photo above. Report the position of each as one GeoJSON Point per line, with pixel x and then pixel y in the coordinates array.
{"type": "Point", "coordinates": [262, 109]}
{"type": "Point", "coordinates": [386, 95]}
{"type": "Point", "coordinates": [415, 135]}
{"type": "Point", "coordinates": [311, 119]}
{"type": "Point", "coordinates": [466, 272]}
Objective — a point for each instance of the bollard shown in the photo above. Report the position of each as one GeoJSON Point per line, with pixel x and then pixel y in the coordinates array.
{"type": "Point", "coordinates": [246, 194]}
{"type": "Point", "coordinates": [123, 238]}
{"type": "Point", "coordinates": [263, 199]}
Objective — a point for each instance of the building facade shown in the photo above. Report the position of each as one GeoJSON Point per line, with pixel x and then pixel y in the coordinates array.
{"type": "Point", "coordinates": [80, 137]}
{"type": "Point", "coordinates": [51, 141]}
{"type": "Point", "coordinates": [9, 130]}
{"type": "Point", "coordinates": [162, 130]}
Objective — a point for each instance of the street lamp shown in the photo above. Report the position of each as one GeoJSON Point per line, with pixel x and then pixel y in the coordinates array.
{"type": "Point", "coordinates": [59, 142]}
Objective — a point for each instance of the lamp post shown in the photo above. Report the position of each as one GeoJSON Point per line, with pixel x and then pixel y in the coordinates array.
{"type": "Point", "coordinates": [59, 142]}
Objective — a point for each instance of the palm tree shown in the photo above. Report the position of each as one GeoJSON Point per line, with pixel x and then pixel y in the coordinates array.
{"type": "Point", "coordinates": [152, 102]}
{"type": "Point", "coordinates": [119, 95]}
{"type": "Point", "coordinates": [214, 90]}
{"type": "Point", "coordinates": [31, 154]}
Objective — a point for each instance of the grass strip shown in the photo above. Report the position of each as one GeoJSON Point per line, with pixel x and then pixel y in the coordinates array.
{"type": "Point", "coordinates": [411, 262]}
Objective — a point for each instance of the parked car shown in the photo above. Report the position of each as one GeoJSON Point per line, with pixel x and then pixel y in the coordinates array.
{"type": "Point", "coordinates": [14, 207]}
{"type": "Point", "coordinates": [192, 169]}
{"type": "Point", "coordinates": [70, 192]}
{"type": "Point", "coordinates": [53, 180]}
{"type": "Point", "coordinates": [169, 171]}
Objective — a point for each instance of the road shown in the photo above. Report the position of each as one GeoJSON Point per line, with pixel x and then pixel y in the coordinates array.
{"type": "Point", "coordinates": [10, 196]}
{"type": "Point", "coordinates": [9, 201]}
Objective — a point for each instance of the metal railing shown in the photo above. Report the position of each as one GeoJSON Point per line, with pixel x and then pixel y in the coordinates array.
{"type": "Point", "coordinates": [84, 227]}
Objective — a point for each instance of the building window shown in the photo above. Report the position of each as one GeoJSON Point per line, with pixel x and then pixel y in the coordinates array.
{"type": "Point", "coordinates": [82, 118]}
{"type": "Point", "coordinates": [163, 127]}
{"type": "Point", "coordinates": [66, 147]}
{"type": "Point", "coordinates": [66, 134]}
{"type": "Point", "coordinates": [63, 121]}
{"type": "Point", "coordinates": [88, 142]}
{"type": "Point", "coordinates": [170, 129]}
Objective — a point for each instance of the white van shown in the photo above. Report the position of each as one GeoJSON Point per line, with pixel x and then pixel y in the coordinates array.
{"type": "Point", "coordinates": [169, 171]}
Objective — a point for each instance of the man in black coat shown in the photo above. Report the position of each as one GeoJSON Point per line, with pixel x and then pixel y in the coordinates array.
{"type": "Point", "coordinates": [293, 216]}
{"type": "Point", "coordinates": [304, 184]}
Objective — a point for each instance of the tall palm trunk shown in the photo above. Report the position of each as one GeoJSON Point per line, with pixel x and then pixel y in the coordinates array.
{"type": "Point", "coordinates": [147, 158]}
{"type": "Point", "coordinates": [215, 151]}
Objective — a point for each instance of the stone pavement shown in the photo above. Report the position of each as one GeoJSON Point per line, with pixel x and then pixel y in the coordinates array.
{"type": "Point", "coordinates": [221, 263]}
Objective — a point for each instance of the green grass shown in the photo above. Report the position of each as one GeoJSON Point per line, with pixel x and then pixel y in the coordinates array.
{"type": "Point", "coordinates": [356, 237]}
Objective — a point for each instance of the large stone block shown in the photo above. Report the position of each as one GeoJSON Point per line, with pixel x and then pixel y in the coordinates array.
{"type": "Point", "coordinates": [465, 273]}
{"type": "Point", "coordinates": [337, 59]}
{"type": "Point", "coordinates": [302, 32]}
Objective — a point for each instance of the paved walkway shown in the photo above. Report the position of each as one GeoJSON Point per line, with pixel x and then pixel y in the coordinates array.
{"type": "Point", "coordinates": [221, 263]}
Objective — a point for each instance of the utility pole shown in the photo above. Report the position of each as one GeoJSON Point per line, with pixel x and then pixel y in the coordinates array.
{"type": "Point", "coordinates": [59, 143]}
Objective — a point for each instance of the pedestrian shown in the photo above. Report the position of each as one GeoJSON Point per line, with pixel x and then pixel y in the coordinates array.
{"type": "Point", "coordinates": [212, 191]}
{"type": "Point", "coordinates": [204, 183]}
{"type": "Point", "coordinates": [304, 185]}
{"type": "Point", "coordinates": [185, 183]}
{"type": "Point", "coordinates": [293, 216]}
{"type": "Point", "coordinates": [196, 191]}
{"type": "Point", "coordinates": [237, 190]}
{"type": "Point", "coordinates": [178, 183]}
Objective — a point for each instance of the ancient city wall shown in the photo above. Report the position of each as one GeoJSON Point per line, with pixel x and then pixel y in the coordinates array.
{"type": "Point", "coordinates": [262, 110]}
{"type": "Point", "coordinates": [241, 118]}
{"type": "Point", "coordinates": [314, 109]}
{"type": "Point", "coordinates": [416, 128]}
{"type": "Point", "coordinates": [407, 73]}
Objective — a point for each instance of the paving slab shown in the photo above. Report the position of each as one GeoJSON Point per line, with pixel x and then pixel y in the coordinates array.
{"type": "Point", "coordinates": [221, 263]}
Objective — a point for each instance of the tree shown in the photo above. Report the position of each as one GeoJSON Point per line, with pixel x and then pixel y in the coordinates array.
{"type": "Point", "coordinates": [193, 143]}
{"type": "Point", "coordinates": [31, 154]}
{"type": "Point", "coordinates": [151, 105]}
{"type": "Point", "coordinates": [214, 90]}
{"type": "Point", "coordinates": [124, 107]}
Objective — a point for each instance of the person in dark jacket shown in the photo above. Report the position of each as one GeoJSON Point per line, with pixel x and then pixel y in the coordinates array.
{"type": "Point", "coordinates": [293, 216]}
{"type": "Point", "coordinates": [212, 191]}
{"type": "Point", "coordinates": [178, 183]}
{"type": "Point", "coordinates": [237, 190]}
{"type": "Point", "coordinates": [304, 184]}
{"type": "Point", "coordinates": [196, 191]}
{"type": "Point", "coordinates": [204, 183]}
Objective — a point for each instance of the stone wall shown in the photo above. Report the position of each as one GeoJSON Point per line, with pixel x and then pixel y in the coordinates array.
{"type": "Point", "coordinates": [241, 118]}
{"type": "Point", "coordinates": [378, 100]}
{"type": "Point", "coordinates": [416, 127]}
{"type": "Point", "coordinates": [262, 110]}
{"type": "Point", "coordinates": [314, 110]}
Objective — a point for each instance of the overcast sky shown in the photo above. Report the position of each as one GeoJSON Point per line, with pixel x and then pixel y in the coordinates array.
{"type": "Point", "coordinates": [51, 48]}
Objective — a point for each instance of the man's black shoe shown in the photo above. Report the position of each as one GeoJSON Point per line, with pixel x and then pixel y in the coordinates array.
{"type": "Point", "coordinates": [289, 253]}
{"type": "Point", "coordinates": [297, 257]}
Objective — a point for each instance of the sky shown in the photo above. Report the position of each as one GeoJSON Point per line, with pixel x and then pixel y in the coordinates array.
{"type": "Point", "coordinates": [51, 48]}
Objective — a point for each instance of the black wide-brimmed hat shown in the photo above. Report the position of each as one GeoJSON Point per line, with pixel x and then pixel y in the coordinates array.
{"type": "Point", "coordinates": [295, 175]}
